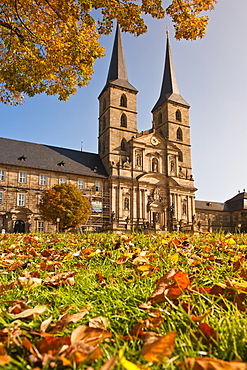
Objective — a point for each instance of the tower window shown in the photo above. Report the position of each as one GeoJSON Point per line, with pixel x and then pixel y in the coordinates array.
{"type": "Point", "coordinates": [123, 120]}
{"type": "Point", "coordinates": [178, 115]}
{"type": "Point", "coordinates": [123, 101]}
{"type": "Point", "coordinates": [123, 144]}
{"type": "Point", "coordinates": [180, 156]}
{"type": "Point", "coordinates": [179, 134]}
{"type": "Point", "coordinates": [160, 118]}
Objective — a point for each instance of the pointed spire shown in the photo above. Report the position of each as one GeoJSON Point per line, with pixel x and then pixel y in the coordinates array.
{"type": "Point", "coordinates": [117, 68]}
{"type": "Point", "coordinates": [169, 89]}
{"type": "Point", "coordinates": [117, 74]}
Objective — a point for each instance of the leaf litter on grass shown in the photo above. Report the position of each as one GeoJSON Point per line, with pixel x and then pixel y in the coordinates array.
{"type": "Point", "coordinates": [75, 301]}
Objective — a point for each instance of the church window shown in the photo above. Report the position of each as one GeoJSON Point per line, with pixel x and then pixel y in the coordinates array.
{"type": "Point", "coordinates": [62, 180]}
{"type": "Point", "coordinates": [178, 115]}
{"type": "Point", "coordinates": [123, 101]}
{"type": "Point", "coordinates": [179, 134]}
{"type": "Point", "coordinates": [22, 177]}
{"type": "Point", "coordinates": [1, 175]}
{"type": "Point", "coordinates": [123, 120]}
{"type": "Point", "coordinates": [123, 144]}
{"type": "Point", "coordinates": [40, 226]}
{"type": "Point", "coordinates": [98, 186]}
{"type": "Point", "coordinates": [42, 179]}
{"type": "Point", "coordinates": [160, 118]}
{"type": "Point", "coordinates": [104, 104]}
{"type": "Point", "coordinates": [180, 156]}
{"type": "Point", "coordinates": [155, 165]}
{"type": "Point", "coordinates": [126, 204]}
{"type": "Point", "coordinates": [20, 200]}
{"type": "Point", "coordinates": [80, 184]}
{"type": "Point", "coordinates": [104, 123]}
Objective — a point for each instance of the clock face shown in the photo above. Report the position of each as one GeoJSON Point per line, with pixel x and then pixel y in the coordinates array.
{"type": "Point", "coordinates": [154, 140]}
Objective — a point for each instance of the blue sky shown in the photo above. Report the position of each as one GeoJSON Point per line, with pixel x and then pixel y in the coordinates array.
{"type": "Point", "coordinates": [212, 78]}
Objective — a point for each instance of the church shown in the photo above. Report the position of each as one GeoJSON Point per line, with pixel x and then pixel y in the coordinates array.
{"type": "Point", "coordinates": [138, 180]}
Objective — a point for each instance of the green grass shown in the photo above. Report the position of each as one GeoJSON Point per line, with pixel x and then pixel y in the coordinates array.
{"type": "Point", "coordinates": [110, 283]}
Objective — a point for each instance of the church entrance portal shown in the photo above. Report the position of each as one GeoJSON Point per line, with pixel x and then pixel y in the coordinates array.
{"type": "Point", "coordinates": [19, 226]}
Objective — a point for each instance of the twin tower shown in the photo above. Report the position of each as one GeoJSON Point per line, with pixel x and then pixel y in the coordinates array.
{"type": "Point", "coordinates": [150, 182]}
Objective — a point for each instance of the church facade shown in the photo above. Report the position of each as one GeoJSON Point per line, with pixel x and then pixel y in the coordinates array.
{"type": "Point", "coordinates": [140, 180]}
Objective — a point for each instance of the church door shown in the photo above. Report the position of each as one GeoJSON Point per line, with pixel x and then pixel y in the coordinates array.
{"type": "Point", "coordinates": [19, 226]}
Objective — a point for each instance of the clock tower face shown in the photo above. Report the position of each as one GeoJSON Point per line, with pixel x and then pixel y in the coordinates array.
{"type": "Point", "coordinates": [154, 140]}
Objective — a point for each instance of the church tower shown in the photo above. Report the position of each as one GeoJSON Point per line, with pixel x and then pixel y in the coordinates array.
{"type": "Point", "coordinates": [117, 112]}
{"type": "Point", "coordinates": [171, 120]}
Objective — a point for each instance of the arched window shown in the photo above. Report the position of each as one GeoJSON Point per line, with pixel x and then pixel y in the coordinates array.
{"type": "Point", "coordinates": [123, 120]}
{"type": "Point", "coordinates": [104, 104]}
{"type": "Point", "coordinates": [179, 134]}
{"type": "Point", "coordinates": [178, 115]}
{"type": "Point", "coordinates": [155, 164]}
{"type": "Point", "coordinates": [104, 123]}
{"type": "Point", "coordinates": [123, 101]}
{"type": "Point", "coordinates": [180, 156]}
{"type": "Point", "coordinates": [123, 144]}
{"type": "Point", "coordinates": [184, 209]}
{"type": "Point", "coordinates": [160, 118]}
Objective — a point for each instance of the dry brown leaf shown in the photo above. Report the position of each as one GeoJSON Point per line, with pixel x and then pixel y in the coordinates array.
{"type": "Point", "coordinates": [45, 324]}
{"type": "Point", "coordinates": [89, 335]}
{"type": "Point", "coordinates": [206, 363]}
{"type": "Point", "coordinates": [29, 281]}
{"type": "Point", "coordinates": [38, 310]}
{"type": "Point", "coordinates": [98, 322]}
{"type": "Point", "coordinates": [161, 285]}
{"type": "Point", "coordinates": [160, 349]}
{"type": "Point", "coordinates": [110, 363]}
{"type": "Point", "coordinates": [66, 320]}
{"type": "Point", "coordinates": [4, 357]}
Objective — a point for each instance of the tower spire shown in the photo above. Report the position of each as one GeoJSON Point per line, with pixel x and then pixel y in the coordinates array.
{"type": "Point", "coordinates": [117, 74]}
{"type": "Point", "coordinates": [169, 88]}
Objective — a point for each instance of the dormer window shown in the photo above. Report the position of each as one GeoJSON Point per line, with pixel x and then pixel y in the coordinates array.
{"type": "Point", "coordinates": [22, 158]}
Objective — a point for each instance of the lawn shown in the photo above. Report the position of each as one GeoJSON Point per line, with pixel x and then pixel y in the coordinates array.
{"type": "Point", "coordinates": [123, 301]}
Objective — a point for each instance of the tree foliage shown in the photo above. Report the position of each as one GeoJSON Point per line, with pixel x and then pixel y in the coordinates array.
{"type": "Point", "coordinates": [50, 45]}
{"type": "Point", "coordinates": [66, 203]}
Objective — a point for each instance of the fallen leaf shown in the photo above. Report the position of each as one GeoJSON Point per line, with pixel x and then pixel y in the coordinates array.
{"type": "Point", "coordinates": [89, 335]}
{"type": "Point", "coordinates": [160, 349]}
{"type": "Point", "coordinates": [4, 357]}
{"type": "Point", "coordinates": [110, 363]}
{"type": "Point", "coordinates": [207, 363]}
{"type": "Point", "coordinates": [31, 282]}
{"type": "Point", "coordinates": [130, 366]}
{"type": "Point", "coordinates": [38, 310]}
{"type": "Point", "coordinates": [98, 322]}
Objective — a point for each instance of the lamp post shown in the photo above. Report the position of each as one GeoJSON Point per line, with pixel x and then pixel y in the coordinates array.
{"type": "Point", "coordinates": [58, 221]}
